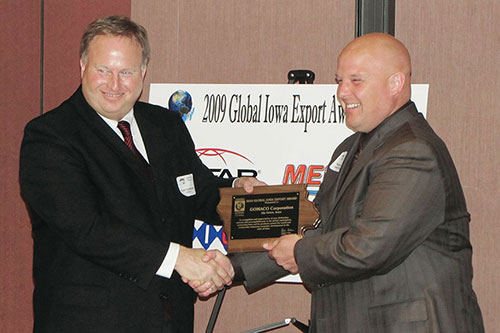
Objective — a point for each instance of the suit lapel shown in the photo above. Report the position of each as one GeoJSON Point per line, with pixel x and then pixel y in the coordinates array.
{"type": "Point", "coordinates": [345, 170]}
{"type": "Point", "coordinates": [151, 136]}
{"type": "Point", "coordinates": [338, 188]}
{"type": "Point", "coordinates": [328, 192]}
{"type": "Point", "coordinates": [352, 170]}
{"type": "Point", "coordinates": [158, 150]}
{"type": "Point", "coordinates": [109, 138]}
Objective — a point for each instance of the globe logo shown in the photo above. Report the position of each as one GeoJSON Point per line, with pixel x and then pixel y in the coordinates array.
{"type": "Point", "coordinates": [182, 103]}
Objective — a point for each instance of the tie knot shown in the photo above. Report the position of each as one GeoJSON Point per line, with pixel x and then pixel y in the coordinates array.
{"type": "Point", "coordinates": [124, 127]}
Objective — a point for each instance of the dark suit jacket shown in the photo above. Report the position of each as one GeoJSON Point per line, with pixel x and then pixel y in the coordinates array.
{"type": "Point", "coordinates": [392, 253]}
{"type": "Point", "coordinates": [101, 227]}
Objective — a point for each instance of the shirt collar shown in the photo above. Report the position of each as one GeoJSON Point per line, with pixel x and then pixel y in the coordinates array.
{"type": "Point", "coordinates": [129, 117]}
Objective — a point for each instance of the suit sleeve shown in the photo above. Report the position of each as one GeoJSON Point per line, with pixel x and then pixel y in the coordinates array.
{"type": "Point", "coordinates": [257, 269]}
{"type": "Point", "coordinates": [393, 212]}
{"type": "Point", "coordinates": [63, 199]}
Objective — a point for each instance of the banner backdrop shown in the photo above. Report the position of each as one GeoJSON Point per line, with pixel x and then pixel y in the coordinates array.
{"type": "Point", "coordinates": [282, 134]}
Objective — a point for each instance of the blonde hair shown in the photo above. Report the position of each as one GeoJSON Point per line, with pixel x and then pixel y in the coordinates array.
{"type": "Point", "coordinates": [116, 26]}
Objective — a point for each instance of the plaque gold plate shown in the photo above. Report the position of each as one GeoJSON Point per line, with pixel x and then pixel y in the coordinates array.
{"type": "Point", "coordinates": [252, 219]}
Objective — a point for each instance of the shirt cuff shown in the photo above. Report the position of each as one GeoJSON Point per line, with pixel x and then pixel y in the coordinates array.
{"type": "Point", "coordinates": [167, 266]}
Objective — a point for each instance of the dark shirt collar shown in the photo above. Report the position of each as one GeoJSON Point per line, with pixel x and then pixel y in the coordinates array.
{"type": "Point", "coordinates": [366, 137]}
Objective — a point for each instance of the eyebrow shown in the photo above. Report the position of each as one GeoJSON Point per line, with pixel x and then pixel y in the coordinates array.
{"type": "Point", "coordinates": [121, 69]}
{"type": "Point", "coordinates": [355, 75]}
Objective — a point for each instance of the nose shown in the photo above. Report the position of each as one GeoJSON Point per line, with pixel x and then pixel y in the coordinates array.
{"type": "Point", "coordinates": [115, 82]}
{"type": "Point", "coordinates": [343, 90]}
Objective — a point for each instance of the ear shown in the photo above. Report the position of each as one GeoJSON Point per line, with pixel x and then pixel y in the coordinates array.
{"type": "Point", "coordinates": [396, 82]}
{"type": "Point", "coordinates": [82, 68]}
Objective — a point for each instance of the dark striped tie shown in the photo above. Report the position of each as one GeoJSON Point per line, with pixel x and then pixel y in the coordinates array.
{"type": "Point", "coordinates": [124, 127]}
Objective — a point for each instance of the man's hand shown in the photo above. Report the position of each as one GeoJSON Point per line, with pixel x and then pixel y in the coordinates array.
{"type": "Point", "coordinates": [217, 271]}
{"type": "Point", "coordinates": [281, 250]}
{"type": "Point", "coordinates": [205, 289]}
{"type": "Point", "coordinates": [248, 183]}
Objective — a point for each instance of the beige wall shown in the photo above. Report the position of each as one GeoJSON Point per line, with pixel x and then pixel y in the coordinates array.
{"type": "Point", "coordinates": [234, 41]}
{"type": "Point", "coordinates": [454, 48]}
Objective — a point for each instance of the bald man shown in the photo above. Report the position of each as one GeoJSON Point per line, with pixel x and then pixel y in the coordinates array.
{"type": "Point", "coordinates": [392, 253]}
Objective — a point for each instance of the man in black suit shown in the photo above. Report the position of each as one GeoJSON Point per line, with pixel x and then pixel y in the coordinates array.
{"type": "Point", "coordinates": [113, 187]}
{"type": "Point", "coordinates": [392, 253]}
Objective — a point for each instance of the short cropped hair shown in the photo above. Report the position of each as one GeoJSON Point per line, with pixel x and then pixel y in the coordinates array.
{"type": "Point", "coordinates": [116, 26]}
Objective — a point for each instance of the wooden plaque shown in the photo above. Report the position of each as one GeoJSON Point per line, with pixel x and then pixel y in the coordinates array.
{"type": "Point", "coordinates": [251, 219]}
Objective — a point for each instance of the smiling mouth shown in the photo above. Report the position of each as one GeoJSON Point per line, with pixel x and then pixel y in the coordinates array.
{"type": "Point", "coordinates": [352, 106]}
{"type": "Point", "coordinates": [112, 95]}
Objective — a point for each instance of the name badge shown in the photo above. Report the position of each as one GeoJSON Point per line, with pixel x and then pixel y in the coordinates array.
{"type": "Point", "coordinates": [335, 166]}
{"type": "Point", "coordinates": [186, 185]}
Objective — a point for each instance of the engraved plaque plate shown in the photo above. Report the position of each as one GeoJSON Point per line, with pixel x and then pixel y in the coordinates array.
{"type": "Point", "coordinates": [251, 219]}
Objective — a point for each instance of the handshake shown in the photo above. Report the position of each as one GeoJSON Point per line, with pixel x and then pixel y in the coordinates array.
{"type": "Point", "coordinates": [204, 271]}
{"type": "Point", "coordinates": [209, 271]}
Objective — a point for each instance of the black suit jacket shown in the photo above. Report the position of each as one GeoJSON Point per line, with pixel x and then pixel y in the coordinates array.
{"type": "Point", "coordinates": [102, 227]}
{"type": "Point", "coordinates": [392, 253]}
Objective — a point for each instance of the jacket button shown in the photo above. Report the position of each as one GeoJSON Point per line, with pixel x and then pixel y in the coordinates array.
{"type": "Point", "coordinates": [163, 296]}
